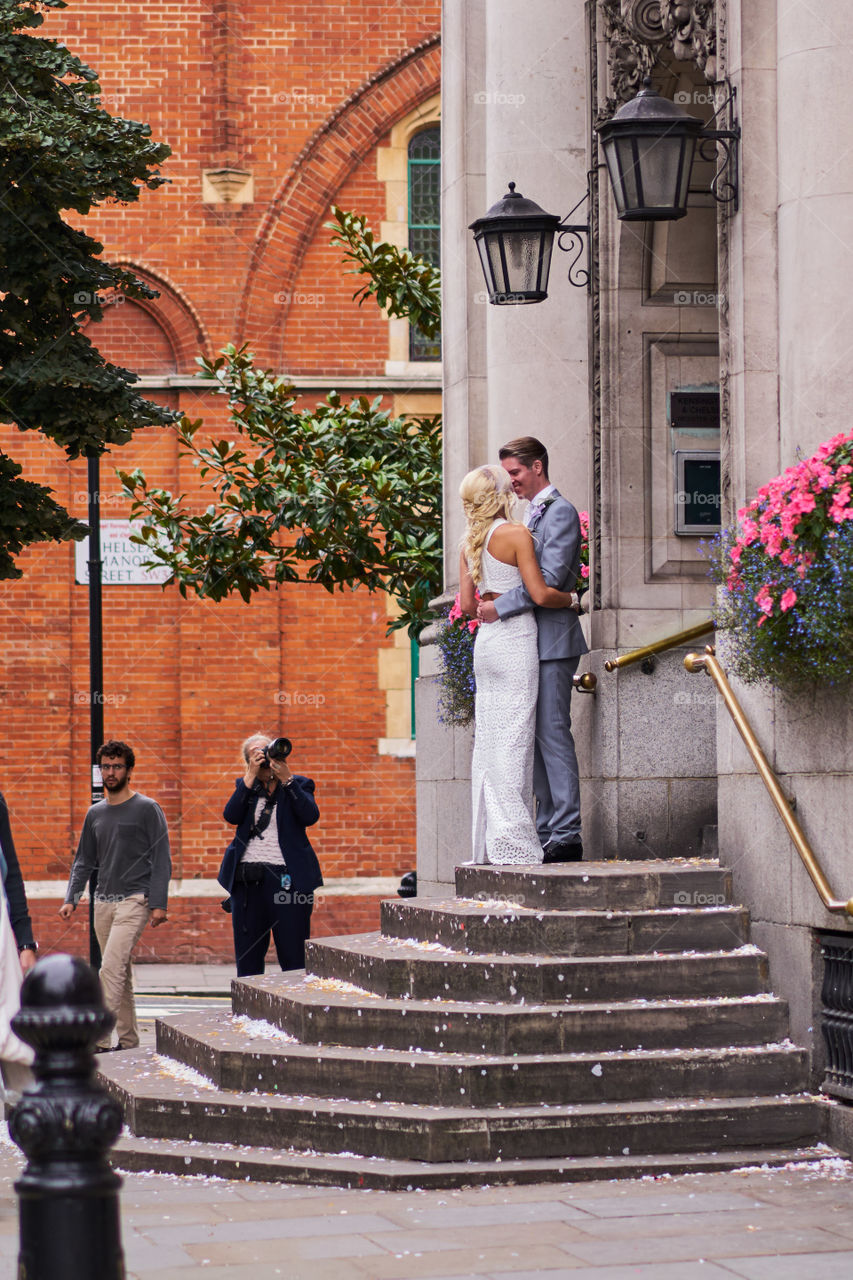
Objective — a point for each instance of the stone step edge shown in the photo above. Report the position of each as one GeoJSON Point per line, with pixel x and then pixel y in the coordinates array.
{"type": "Point", "coordinates": [132, 1155]}
{"type": "Point", "coordinates": [147, 1089]}
{"type": "Point", "coordinates": [299, 991]}
{"type": "Point", "coordinates": [603, 867]}
{"type": "Point", "coordinates": [500, 912]}
{"type": "Point", "coordinates": [232, 1042]}
{"type": "Point", "coordinates": [380, 946]}
{"type": "Point", "coordinates": [359, 999]}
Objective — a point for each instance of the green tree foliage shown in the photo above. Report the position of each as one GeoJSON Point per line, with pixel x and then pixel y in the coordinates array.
{"type": "Point", "coordinates": [59, 151]}
{"type": "Point", "coordinates": [342, 495]}
{"type": "Point", "coordinates": [359, 493]}
{"type": "Point", "coordinates": [403, 285]}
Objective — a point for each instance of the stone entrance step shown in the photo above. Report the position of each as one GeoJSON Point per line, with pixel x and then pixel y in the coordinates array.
{"type": "Point", "coordinates": [402, 968]}
{"type": "Point", "coordinates": [488, 928]}
{"type": "Point", "coordinates": [271, 1164]}
{"type": "Point", "coordinates": [568, 1022]}
{"type": "Point", "coordinates": [234, 1060]}
{"type": "Point", "coordinates": [315, 1011]}
{"type": "Point", "coordinates": [603, 886]}
{"type": "Point", "coordinates": [158, 1103]}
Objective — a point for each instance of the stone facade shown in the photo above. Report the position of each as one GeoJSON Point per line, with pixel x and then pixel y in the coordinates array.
{"type": "Point", "coordinates": [752, 301]}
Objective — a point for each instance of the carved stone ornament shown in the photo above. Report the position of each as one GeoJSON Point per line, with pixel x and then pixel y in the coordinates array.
{"type": "Point", "coordinates": [691, 31]}
{"type": "Point", "coordinates": [637, 30]}
{"type": "Point", "coordinates": [644, 19]}
{"type": "Point", "coordinates": [632, 47]}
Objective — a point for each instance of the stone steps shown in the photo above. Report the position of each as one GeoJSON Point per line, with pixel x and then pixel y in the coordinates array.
{"type": "Point", "coordinates": [314, 1013]}
{"type": "Point", "coordinates": [400, 969]}
{"type": "Point", "coordinates": [566, 1022]}
{"type": "Point", "coordinates": [272, 1164]}
{"type": "Point", "coordinates": [159, 1104]}
{"type": "Point", "coordinates": [483, 928]}
{"type": "Point", "coordinates": [634, 886]}
{"type": "Point", "coordinates": [235, 1061]}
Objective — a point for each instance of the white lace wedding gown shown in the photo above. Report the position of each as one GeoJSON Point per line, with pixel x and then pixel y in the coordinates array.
{"type": "Point", "coordinates": [506, 667]}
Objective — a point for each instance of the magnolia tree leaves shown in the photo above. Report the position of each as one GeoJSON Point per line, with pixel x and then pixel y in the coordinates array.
{"type": "Point", "coordinates": [343, 495]}
{"type": "Point", "coordinates": [402, 284]}
{"type": "Point", "coordinates": [59, 152]}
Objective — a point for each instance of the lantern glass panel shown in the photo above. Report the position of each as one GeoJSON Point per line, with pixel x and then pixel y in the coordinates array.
{"type": "Point", "coordinates": [686, 170]}
{"type": "Point", "coordinates": [522, 251]}
{"type": "Point", "coordinates": [490, 262]}
{"type": "Point", "coordinates": [650, 172]}
{"type": "Point", "coordinates": [661, 166]}
{"type": "Point", "coordinates": [516, 262]}
{"type": "Point", "coordinates": [496, 246]}
{"type": "Point", "coordinates": [622, 167]}
{"type": "Point", "coordinates": [547, 244]}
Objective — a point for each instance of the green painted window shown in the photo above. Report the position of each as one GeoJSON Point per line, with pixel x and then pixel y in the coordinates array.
{"type": "Point", "coordinates": [416, 670]}
{"type": "Point", "coordinates": [424, 220]}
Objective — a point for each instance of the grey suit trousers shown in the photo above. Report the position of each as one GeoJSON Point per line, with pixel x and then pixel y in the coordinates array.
{"type": "Point", "coordinates": [555, 762]}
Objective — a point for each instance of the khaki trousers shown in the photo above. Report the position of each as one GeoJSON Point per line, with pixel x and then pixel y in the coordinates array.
{"type": "Point", "coordinates": [119, 926]}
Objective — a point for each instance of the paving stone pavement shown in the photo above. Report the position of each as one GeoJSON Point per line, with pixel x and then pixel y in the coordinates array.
{"type": "Point", "coordinates": [784, 1224]}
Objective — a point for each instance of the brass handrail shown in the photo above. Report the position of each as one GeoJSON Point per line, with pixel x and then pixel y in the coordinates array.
{"type": "Point", "coordinates": [658, 646]}
{"type": "Point", "coordinates": [708, 663]}
{"type": "Point", "coordinates": [585, 683]}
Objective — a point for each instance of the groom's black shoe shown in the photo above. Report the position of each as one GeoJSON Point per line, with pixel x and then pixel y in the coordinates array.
{"type": "Point", "coordinates": [564, 851]}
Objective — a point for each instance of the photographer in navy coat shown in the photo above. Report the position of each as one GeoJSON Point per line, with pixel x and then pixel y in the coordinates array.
{"type": "Point", "coordinates": [270, 868]}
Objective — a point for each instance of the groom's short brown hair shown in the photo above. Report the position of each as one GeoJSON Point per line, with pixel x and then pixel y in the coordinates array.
{"type": "Point", "coordinates": [528, 450]}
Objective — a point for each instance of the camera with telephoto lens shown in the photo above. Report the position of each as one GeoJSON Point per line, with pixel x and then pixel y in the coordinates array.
{"type": "Point", "coordinates": [278, 749]}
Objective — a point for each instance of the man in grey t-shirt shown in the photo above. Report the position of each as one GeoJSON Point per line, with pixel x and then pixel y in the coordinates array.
{"type": "Point", "coordinates": [125, 838]}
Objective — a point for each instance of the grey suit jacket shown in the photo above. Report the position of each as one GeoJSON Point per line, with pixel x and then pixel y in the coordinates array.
{"type": "Point", "coordinates": [557, 537]}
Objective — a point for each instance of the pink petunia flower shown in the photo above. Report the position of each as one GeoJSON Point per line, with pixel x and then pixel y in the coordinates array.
{"type": "Point", "coordinates": [749, 531]}
{"type": "Point", "coordinates": [789, 599]}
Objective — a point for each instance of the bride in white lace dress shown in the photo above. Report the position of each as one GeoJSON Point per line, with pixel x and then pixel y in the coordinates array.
{"type": "Point", "coordinates": [497, 555]}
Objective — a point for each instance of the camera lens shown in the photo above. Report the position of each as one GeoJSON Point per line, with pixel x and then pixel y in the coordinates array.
{"type": "Point", "coordinates": [278, 749]}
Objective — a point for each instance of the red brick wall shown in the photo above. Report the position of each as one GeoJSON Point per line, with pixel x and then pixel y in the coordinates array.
{"type": "Point", "coordinates": [198, 931]}
{"type": "Point", "coordinates": [300, 95]}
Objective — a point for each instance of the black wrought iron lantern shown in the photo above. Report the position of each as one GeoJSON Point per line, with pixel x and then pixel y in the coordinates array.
{"type": "Point", "coordinates": [514, 240]}
{"type": "Point", "coordinates": [649, 146]}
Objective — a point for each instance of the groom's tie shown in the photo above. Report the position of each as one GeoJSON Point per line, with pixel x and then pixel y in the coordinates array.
{"type": "Point", "coordinates": [534, 514]}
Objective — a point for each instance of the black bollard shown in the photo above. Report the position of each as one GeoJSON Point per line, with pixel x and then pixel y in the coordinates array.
{"type": "Point", "coordinates": [408, 885]}
{"type": "Point", "coordinates": [65, 1124]}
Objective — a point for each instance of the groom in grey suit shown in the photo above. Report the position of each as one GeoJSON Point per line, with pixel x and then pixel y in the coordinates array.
{"type": "Point", "coordinates": [555, 526]}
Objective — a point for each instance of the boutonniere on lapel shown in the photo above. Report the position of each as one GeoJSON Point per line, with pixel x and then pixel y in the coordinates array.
{"type": "Point", "coordinates": [538, 509]}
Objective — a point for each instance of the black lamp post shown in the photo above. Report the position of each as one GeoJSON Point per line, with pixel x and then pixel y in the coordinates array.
{"type": "Point", "coordinates": [649, 146]}
{"type": "Point", "coordinates": [96, 669]}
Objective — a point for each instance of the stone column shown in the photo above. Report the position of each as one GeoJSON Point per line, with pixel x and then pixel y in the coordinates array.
{"type": "Point", "coordinates": [815, 216]}
{"type": "Point", "coordinates": [443, 754]}
{"type": "Point", "coordinates": [463, 199]}
{"type": "Point", "coordinates": [537, 132]}
{"type": "Point", "coordinates": [513, 108]}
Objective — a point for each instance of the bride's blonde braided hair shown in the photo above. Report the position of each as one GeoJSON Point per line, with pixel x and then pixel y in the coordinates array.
{"type": "Point", "coordinates": [486, 494]}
